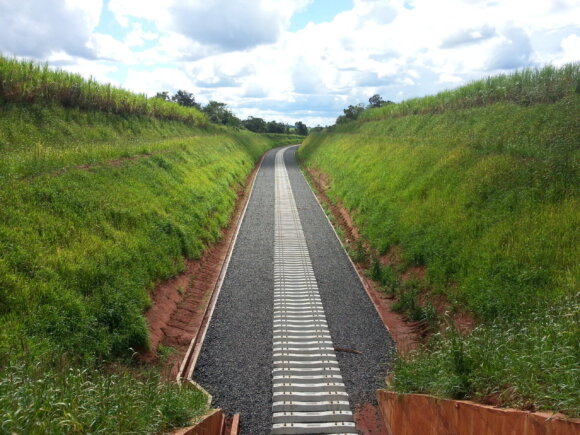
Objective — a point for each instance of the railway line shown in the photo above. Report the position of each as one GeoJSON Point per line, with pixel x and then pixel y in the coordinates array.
{"type": "Point", "coordinates": [289, 298]}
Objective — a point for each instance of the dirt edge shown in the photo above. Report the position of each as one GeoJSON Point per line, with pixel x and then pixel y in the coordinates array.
{"type": "Point", "coordinates": [403, 333]}
{"type": "Point", "coordinates": [179, 304]}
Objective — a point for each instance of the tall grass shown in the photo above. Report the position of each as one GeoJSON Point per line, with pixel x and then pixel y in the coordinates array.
{"type": "Point", "coordinates": [531, 364]}
{"type": "Point", "coordinates": [527, 86]}
{"type": "Point", "coordinates": [26, 82]}
{"type": "Point", "coordinates": [487, 199]}
{"type": "Point", "coordinates": [52, 396]}
{"type": "Point", "coordinates": [81, 249]}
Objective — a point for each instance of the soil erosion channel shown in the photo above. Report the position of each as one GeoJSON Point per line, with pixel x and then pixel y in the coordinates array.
{"type": "Point", "coordinates": [294, 344]}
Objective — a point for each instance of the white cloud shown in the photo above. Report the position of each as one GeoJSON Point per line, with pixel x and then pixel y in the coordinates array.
{"type": "Point", "coordinates": [137, 36]}
{"type": "Point", "coordinates": [223, 25]}
{"type": "Point", "coordinates": [105, 47]}
{"type": "Point", "coordinates": [36, 29]}
{"type": "Point", "coordinates": [570, 50]}
{"type": "Point", "coordinates": [159, 79]}
{"type": "Point", "coordinates": [513, 51]}
{"type": "Point", "coordinates": [242, 53]}
{"type": "Point", "coordinates": [151, 10]}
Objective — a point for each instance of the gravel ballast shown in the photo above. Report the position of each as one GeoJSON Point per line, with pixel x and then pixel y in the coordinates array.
{"type": "Point", "coordinates": [235, 364]}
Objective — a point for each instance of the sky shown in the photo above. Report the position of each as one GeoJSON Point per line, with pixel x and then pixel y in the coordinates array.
{"type": "Point", "coordinates": [291, 60]}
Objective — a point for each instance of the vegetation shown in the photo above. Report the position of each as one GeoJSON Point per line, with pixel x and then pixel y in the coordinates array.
{"type": "Point", "coordinates": [81, 247]}
{"type": "Point", "coordinates": [301, 129]}
{"type": "Point", "coordinates": [530, 364]}
{"type": "Point", "coordinates": [31, 83]}
{"type": "Point", "coordinates": [478, 185]}
{"type": "Point", "coordinates": [98, 203]}
{"type": "Point", "coordinates": [218, 113]}
{"type": "Point", "coordinates": [284, 139]}
{"type": "Point", "coordinates": [525, 87]}
{"type": "Point", "coordinates": [57, 397]}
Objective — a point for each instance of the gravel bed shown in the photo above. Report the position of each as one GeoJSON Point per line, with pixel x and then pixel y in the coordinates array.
{"type": "Point", "coordinates": [236, 359]}
{"type": "Point", "coordinates": [352, 318]}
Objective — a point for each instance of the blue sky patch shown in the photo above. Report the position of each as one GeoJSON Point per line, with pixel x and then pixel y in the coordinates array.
{"type": "Point", "coordinates": [319, 11]}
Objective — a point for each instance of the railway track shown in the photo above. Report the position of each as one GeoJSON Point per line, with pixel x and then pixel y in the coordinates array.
{"type": "Point", "coordinates": [309, 395]}
{"type": "Point", "coordinates": [290, 297]}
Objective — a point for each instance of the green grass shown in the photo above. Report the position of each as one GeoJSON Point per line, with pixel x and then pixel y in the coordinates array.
{"type": "Point", "coordinates": [98, 205]}
{"type": "Point", "coordinates": [485, 195]}
{"type": "Point", "coordinates": [86, 228]}
{"type": "Point", "coordinates": [284, 139]}
{"type": "Point", "coordinates": [525, 87]}
{"type": "Point", "coordinates": [529, 364]}
{"type": "Point", "coordinates": [53, 396]}
{"type": "Point", "coordinates": [32, 83]}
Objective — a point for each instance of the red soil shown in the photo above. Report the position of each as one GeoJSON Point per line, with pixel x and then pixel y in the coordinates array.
{"type": "Point", "coordinates": [403, 333]}
{"type": "Point", "coordinates": [407, 335]}
{"type": "Point", "coordinates": [178, 304]}
{"type": "Point", "coordinates": [368, 420]}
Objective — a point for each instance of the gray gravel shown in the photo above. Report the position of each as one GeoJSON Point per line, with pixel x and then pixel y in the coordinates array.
{"type": "Point", "coordinates": [353, 320]}
{"type": "Point", "coordinates": [236, 359]}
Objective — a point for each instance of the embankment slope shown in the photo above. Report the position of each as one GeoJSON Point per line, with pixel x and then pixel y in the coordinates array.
{"type": "Point", "coordinates": [103, 194]}
{"type": "Point", "coordinates": [480, 187]}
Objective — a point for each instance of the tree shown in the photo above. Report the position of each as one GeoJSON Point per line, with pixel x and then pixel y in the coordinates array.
{"type": "Point", "coordinates": [257, 125]}
{"type": "Point", "coordinates": [377, 101]}
{"type": "Point", "coordinates": [350, 113]}
{"type": "Point", "coordinates": [186, 99]}
{"type": "Point", "coordinates": [163, 96]}
{"type": "Point", "coordinates": [276, 127]}
{"type": "Point", "coordinates": [301, 128]}
{"type": "Point", "coordinates": [219, 114]}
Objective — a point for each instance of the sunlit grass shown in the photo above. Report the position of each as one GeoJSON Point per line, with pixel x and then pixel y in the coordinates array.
{"type": "Point", "coordinates": [531, 364]}
{"type": "Point", "coordinates": [486, 197]}
{"type": "Point", "coordinates": [32, 83]}
{"type": "Point", "coordinates": [103, 194]}
{"type": "Point", "coordinates": [525, 87]}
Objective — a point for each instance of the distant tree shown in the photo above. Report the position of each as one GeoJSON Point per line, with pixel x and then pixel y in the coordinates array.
{"type": "Point", "coordinates": [257, 125]}
{"type": "Point", "coordinates": [377, 101]}
{"type": "Point", "coordinates": [350, 113]}
{"type": "Point", "coordinates": [317, 129]}
{"type": "Point", "coordinates": [218, 113]}
{"type": "Point", "coordinates": [163, 96]}
{"type": "Point", "coordinates": [186, 99]}
{"type": "Point", "coordinates": [301, 128]}
{"type": "Point", "coordinates": [276, 127]}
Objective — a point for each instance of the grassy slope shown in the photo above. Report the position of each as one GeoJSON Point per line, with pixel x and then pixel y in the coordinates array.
{"type": "Point", "coordinates": [96, 208]}
{"type": "Point", "coordinates": [487, 198]}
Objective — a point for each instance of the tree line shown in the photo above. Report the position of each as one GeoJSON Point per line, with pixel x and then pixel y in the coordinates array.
{"type": "Point", "coordinates": [218, 113]}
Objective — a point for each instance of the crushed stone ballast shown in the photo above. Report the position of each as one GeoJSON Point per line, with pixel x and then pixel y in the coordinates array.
{"type": "Point", "coordinates": [308, 394]}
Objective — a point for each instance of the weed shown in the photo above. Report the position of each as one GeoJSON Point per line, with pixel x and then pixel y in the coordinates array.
{"type": "Point", "coordinates": [30, 83]}
{"type": "Point", "coordinates": [84, 233]}
{"type": "Point", "coordinates": [532, 363]}
{"type": "Point", "coordinates": [359, 254]}
{"type": "Point", "coordinates": [165, 352]}
{"type": "Point", "coordinates": [527, 86]}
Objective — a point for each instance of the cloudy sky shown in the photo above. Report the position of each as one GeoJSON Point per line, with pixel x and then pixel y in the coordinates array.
{"type": "Point", "coordinates": [291, 60]}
